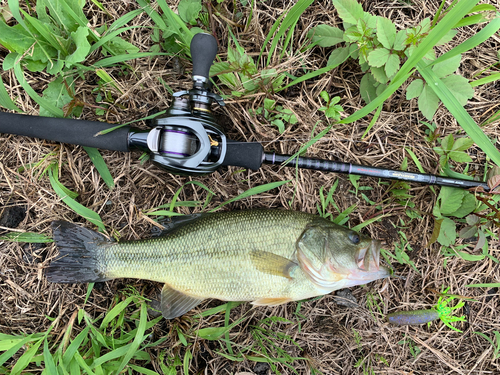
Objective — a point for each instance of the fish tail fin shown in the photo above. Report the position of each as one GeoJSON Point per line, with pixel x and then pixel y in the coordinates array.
{"type": "Point", "coordinates": [80, 257]}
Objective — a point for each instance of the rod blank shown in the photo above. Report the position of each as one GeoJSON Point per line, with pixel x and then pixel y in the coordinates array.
{"type": "Point", "coordinates": [363, 170]}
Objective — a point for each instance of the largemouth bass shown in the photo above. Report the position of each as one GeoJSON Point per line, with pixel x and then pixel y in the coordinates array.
{"type": "Point", "coordinates": [268, 257]}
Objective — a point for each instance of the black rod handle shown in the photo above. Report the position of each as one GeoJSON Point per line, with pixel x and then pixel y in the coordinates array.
{"type": "Point", "coordinates": [203, 50]}
{"type": "Point", "coordinates": [363, 170]}
{"type": "Point", "coordinates": [66, 130]}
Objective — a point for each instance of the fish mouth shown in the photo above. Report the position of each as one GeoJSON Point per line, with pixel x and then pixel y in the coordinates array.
{"type": "Point", "coordinates": [373, 255]}
{"type": "Point", "coordinates": [369, 267]}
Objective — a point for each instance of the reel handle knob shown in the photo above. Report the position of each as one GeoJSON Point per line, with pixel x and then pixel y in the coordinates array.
{"type": "Point", "coordinates": [203, 50]}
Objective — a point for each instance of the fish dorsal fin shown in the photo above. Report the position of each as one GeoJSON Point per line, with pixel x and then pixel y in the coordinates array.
{"type": "Point", "coordinates": [173, 223]}
{"type": "Point", "coordinates": [272, 264]}
{"type": "Point", "coordinates": [271, 301]}
{"type": "Point", "coordinates": [175, 303]}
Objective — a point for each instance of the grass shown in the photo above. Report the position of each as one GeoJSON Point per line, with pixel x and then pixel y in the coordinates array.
{"type": "Point", "coordinates": [119, 62]}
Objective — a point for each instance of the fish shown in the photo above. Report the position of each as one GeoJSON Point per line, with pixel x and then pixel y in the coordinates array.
{"type": "Point", "coordinates": [265, 256]}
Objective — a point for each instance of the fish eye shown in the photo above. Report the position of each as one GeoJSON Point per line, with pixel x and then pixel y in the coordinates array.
{"type": "Point", "coordinates": [354, 237]}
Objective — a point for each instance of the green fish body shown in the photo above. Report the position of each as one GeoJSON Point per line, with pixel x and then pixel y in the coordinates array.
{"type": "Point", "coordinates": [267, 257]}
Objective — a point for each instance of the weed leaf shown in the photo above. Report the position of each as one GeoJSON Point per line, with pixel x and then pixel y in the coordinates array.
{"type": "Point", "coordinates": [450, 199]}
{"type": "Point", "coordinates": [447, 67]}
{"type": "Point", "coordinates": [392, 65]}
{"type": "Point", "coordinates": [349, 10]}
{"type": "Point", "coordinates": [189, 10]}
{"type": "Point", "coordinates": [5, 100]}
{"type": "Point", "coordinates": [414, 89]}
{"type": "Point", "coordinates": [447, 232]}
{"type": "Point", "coordinates": [338, 56]}
{"type": "Point", "coordinates": [367, 88]}
{"type": "Point", "coordinates": [428, 102]}
{"type": "Point", "coordinates": [460, 88]}
{"type": "Point", "coordinates": [326, 36]}
{"type": "Point", "coordinates": [386, 32]}
{"type": "Point", "coordinates": [57, 94]}
{"type": "Point", "coordinates": [467, 205]}
{"type": "Point", "coordinates": [378, 57]}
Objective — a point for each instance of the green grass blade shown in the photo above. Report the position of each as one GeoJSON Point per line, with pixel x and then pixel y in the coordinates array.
{"type": "Point", "coordinates": [152, 14]}
{"type": "Point", "coordinates": [50, 364]}
{"type": "Point", "coordinates": [460, 114]}
{"type": "Point", "coordinates": [488, 285]}
{"type": "Point", "coordinates": [369, 222]}
{"type": "Point", "coordinates": [83, 364]}
{"type": "Point", "coordinates": [227, 316]}
{"type": "Point", "coordinates": [115, 311]}
{"type": "Point", "coordinates": [314, 74]}
{"type": "Point", "coordinates": [26, 237]}
{"type": "Point", "coordinates": [309, 143]}
{"type": "Point", "coordinates": [289, 22]}
{"type": "Point", "coordinates": [489, 79]}
{"type": "Point", "coordinates": [115, 29]}
{"type": "Point", "coordinates": [142, 370]}
{"type": "Point", "coordinates": [253, 191]}
{"type": "Point", "coordinates": [175, 22]}
{"type": "Point", "coordinates": [379, 100]}
{"type": "Point", "coordinates": [100, 165]}
{"type": "Point", "coordinates": [269, 36]}
{"type": "Point", "coordinates": [73, 347]}
{"type": "Point", "coordinates": [15, 11]}
{"type": "Point", "coordinates": [372, 121]}
{"type": "Point", "coordinates": [81, 210]}
{"type": "Point", "coordinates": [44, 31]}
{"type": "Point", "coordinates": [26, 358]}
{"type": "Point", "coordinates": [56, 112]}
{"type": "Point", "coordinates": [14, 348]}
{"type": "Point", "coordinates": [123, 20]}
{"type": "Point", "coordinates": [472, 20]}
{"type": "Point", "coordinates": [5, 100]}
{"type": "Point", "coordinates": [110, 35]}
{"type": "Point", "coordinates": [139, 338]}
{"type": "Point", "coordinates": [126, 57]}
{"type": "Point", "coordinates": [484, 34]}
{"type": "Point", "coordinates": [415, 160]}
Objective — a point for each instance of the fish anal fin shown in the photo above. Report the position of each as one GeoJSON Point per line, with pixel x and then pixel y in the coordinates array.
{"type": "Point", "coordinates": [174, 303]}
{"type": "Point", "coordinates": [271, 301]}
{"type": "Point", "coordinates": [272, 264]}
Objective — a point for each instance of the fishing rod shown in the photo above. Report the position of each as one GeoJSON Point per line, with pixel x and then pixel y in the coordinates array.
{"type": "Point", "coordinates": [188, 141]}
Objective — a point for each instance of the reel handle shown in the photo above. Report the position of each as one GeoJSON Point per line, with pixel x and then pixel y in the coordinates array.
{"type": "Point", "coordinates": [203, 51]}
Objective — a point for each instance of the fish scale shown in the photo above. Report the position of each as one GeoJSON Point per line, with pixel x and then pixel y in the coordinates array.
{"type": "Point", "coordinates": [201, 260]}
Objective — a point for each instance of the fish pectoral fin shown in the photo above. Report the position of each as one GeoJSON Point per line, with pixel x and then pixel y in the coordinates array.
{"type": "Point", "coordinates": [175, 303]}
{"type": "Point", "coordinates": [271, 301]}
{"type": "Point", "coordinates": [272, 264]}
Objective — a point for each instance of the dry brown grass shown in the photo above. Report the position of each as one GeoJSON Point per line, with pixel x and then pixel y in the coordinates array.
{"type": "Point", "coordinates": [328, 334]}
